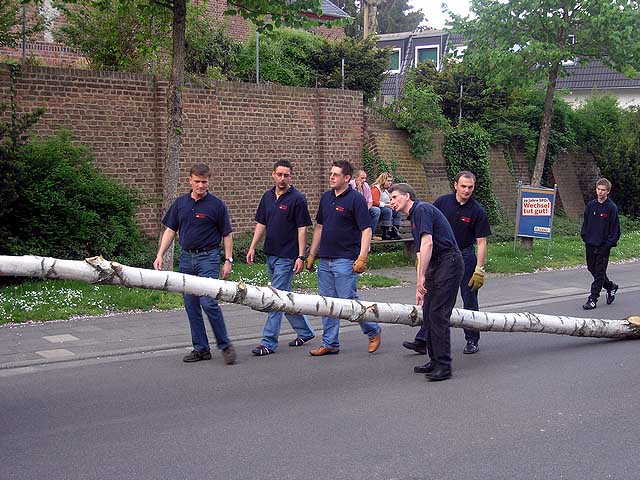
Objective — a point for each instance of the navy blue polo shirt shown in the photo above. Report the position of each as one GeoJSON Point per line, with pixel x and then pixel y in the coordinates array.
{"type": "Point", "coordinates": [425, 218]}
{"type": "Point", "coordinates": [468, 221]}
{"type": "Point", "coordinates": [201, 223]}
{"type": "Point", "coordinates": [343, 218]}
{"type": "Point", "coordinates": [601, 226]}
{"type": "Point", "coordinates": [282, 217]}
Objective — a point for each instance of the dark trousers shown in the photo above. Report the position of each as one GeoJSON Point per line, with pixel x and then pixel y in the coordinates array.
{"type": "Point", "coordinates": [442, 281]}
{"type": "Point", "coordinates": [469, 297]}
{"type": "Point", "coordinates": [597, 262]}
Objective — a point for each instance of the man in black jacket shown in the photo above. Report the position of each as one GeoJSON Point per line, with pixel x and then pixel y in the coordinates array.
{"type": "Point", "coordinates": [600, 232]}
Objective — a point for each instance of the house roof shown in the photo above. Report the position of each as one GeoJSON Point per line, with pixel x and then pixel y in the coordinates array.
{"type": "Point", "coordinates": [331, 10]}
{"type": "Point", "coordinates": [595, 75]}
{"type": "Point", "coordinates": [385, 37]}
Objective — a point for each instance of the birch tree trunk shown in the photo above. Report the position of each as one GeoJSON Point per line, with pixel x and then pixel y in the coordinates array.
{"type": "Point", "coordinates": [96, 270]}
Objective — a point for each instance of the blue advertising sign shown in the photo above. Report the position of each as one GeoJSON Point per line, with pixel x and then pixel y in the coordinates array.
{"type": "Point", "coordinates": [535, 211]}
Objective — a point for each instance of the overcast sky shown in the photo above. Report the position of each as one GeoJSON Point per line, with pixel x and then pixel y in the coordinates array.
{"type": "Point", "coordinates": [433, 11]}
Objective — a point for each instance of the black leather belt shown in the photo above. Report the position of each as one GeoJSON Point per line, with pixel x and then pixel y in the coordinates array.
{"type": "Point", "coordinates": [198, 250]}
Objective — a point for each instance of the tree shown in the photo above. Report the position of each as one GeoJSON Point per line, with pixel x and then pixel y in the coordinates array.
{"type": "Point", "coordinates": [393, 16]}
{"type": "Point", "coordinates": [96, 270]}
{"type": "Point", "coordinates": [524, 42]}
{"type": "Point", "coordinates": [11, 21]}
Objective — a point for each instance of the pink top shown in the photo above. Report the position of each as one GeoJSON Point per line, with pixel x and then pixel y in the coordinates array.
{"type": "Point", "coordinates": [366, 190]}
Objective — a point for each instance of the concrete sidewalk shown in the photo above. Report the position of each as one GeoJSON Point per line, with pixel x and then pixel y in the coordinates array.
{"type": "Point", "coordinates": [96, 337]}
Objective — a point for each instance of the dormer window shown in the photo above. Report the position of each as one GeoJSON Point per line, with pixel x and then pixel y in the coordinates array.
{"type": "Point", "coordinates": [394, 62]}
{"type": "Point", "coordinates": [431, 53]}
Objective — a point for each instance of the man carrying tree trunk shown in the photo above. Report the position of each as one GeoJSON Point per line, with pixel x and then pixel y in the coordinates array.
{"type": "Point", "coordinates": [600, 233]}
{"type": "Point", "coordinates": [341, 240]}
{"type": "Point", "coordinates": [470, 224]}
{"type": "Point", "coordinates": [283, 216]}
{"type": "Point", "coordinates": [201, 221]}
{"type": "Point", "coordinates": [440, 268]}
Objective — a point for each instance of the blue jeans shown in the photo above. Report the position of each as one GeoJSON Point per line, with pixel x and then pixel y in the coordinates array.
{"type": "Point", "coordinates": [337, 279]}
{"type": "Point", "coordinates": [390, 217]}
{"type": "Point", "coordinates": [205, 264]}
{"type": "Point", "coordinates": [469, 297]}
{"type": "Point", "coordinates": [375, 216]}
{"type": "Point", "coordinates": [281, 273]}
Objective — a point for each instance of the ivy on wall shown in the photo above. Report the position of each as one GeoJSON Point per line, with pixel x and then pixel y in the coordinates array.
{"type": "Point", "coordinates": [374, 165]}
{"type": "Point", "coordinates": [467, 148]}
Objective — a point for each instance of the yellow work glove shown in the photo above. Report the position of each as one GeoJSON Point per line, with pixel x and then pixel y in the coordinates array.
{"type": "Point", "coordinates": [309, 262]}
{"type": "Point", "coordinates": [360, 265]}
{"type": "Point", "coordinates": [477, 279]}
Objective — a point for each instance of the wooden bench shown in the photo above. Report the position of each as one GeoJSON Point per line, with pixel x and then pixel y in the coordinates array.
{"type": "Point", "coordinates": [408, 250]}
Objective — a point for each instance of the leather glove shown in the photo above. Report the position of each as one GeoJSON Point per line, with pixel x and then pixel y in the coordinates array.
{"type": "Point", "coordinates": [360, 265]}
{"type": "Point", "coordinates": [477, 279]}
{"type": "Point", "coordinates": [309, 263]}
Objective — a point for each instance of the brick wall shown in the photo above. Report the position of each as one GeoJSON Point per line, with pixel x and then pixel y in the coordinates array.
{"type": "Point", "coordinates": [238, 129]}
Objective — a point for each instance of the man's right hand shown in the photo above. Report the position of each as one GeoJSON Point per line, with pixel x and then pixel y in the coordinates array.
{"type": "Point", "coordinates": [157, 263]}
{"type": "Point", "coordinates": [309, 262]}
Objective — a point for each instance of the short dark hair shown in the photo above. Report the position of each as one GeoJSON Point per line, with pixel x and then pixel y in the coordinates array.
{"type": "Point", "coordinates": [345, 166]}
{"type": "Point", "coordinates": [466, 174]}
{"type": "Point", "coordinates": [200, 170]}
{"type": "Point", "coordinates": [283, 163]}
{"type": "Point", "coordinates": [404, 189]}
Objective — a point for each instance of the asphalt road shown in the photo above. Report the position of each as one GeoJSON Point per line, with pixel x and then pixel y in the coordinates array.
{"type": "Point", "coordinates": [528, 406]}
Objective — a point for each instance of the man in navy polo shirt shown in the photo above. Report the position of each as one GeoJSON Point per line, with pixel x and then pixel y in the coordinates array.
{"type": "Point", "coordinates": [284, 216]}
{"type": "Point", "coordinates": [341, 240]}
{"type": "Point", "coordinates": [600, 233]}
{"type": "Point", "coordinates": [439, 270]}
{"type": "Point", "coordinates": [470, 224]}
{"type": "Point", "coordinates": [201, 221]}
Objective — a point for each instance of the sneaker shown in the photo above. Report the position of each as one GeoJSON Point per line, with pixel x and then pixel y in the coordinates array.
{"type": "Point", "coordinates": [196, 356]}
{"type": "Point", "coordinates": [299, 341]}
{"type": "Point", "coordinates": [471, 347]}
{"type": "Point", "coordinates": [611, 294]}
{"type": "Point", "coordinates": [229, 355]}
{"type": "Point", "coordinates": [590, 305]}
{"type": "Point", "coordinates": [261, 351]}
{"type": "Point", "coordinates": [417, 347]}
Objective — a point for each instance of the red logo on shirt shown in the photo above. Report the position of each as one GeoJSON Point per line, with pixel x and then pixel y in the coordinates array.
{"type": "Point", "coordinates": [465, 219]}
{"type": "Point", "coordinates": [604, 215]}
{"type": "Point", "coordinates": [339, 209]}
{"type": "Point", "coordinates": [283, 207]}
{"type": "Point", "coordinates": [200, 215]}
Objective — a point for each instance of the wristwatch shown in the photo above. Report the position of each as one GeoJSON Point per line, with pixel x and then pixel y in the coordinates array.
{"type": "Point", "coordinates": [302, 257]}
{"type": "Point", "coordinates": [229, 259]}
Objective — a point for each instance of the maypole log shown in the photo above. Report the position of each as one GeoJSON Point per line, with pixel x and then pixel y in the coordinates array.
{"type": "Point", "coordinates": [97, 270]}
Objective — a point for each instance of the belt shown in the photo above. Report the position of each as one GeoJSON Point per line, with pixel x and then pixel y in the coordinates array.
{"type": "Point", "coordinates": [199, 250]}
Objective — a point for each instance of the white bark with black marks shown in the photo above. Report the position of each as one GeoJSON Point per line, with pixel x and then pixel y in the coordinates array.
{"type": "Point", "coordinates": [96, 270]}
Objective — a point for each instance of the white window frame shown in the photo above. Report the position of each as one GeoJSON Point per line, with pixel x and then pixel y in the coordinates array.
{"type": "Point", "coordinates": [399, 50]}
{"type": "Point", "coordinates": [424, 47]}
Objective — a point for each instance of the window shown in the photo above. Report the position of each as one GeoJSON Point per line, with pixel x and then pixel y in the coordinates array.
{"type": "Point", "coordinates": [428, 53]}
{"type": "Point", "coordinates": [394, 64]}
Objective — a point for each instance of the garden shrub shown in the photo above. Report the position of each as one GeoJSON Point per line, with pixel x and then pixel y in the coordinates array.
{"type": "Point", "coordinates": [68, 209]}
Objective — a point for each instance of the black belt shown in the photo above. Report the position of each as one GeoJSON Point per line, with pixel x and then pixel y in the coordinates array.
{"type": "Point", "coordinates": [199, 250]}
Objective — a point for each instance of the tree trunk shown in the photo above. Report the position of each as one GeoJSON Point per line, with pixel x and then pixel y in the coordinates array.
{"type": "Point", "coordinates": [96, 270]}
{"type": "Point", "coordinates": [174, 114]}
{"type": "Point", "coordinates": [545, 129]}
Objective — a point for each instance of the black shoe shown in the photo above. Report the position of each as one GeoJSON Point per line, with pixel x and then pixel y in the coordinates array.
{"type": "Point", "coordinates": [440, 373]}
{"type": "Point", "coordinates": [385, 233]}
{"type": "Point", "coordinates": [611, 294]}
{"type": "Point", "coordinates": [417, 347]}
{"type": "Point", "coordinates": [195, 356]}
{"type": "Point", "coordinates": [471, 347]}
{"type": "Point", "coordinates": [590, 305]}
{"type": "Point", "coordinates": [261, 351]}
{"type": "Point", "coordinates": [299, 341]}
{"type": "Point", "coordinates": [426, 368]}
{"type": "Point", "coordinates": [394, 234]}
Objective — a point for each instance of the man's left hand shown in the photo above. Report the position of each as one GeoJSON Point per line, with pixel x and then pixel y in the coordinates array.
{"type": "Point", "coordinates": [226, 270]}
{"type": "Point", "coordinates": [477, 279]}
{"type": "Point", "coordinates": [360, 265]}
